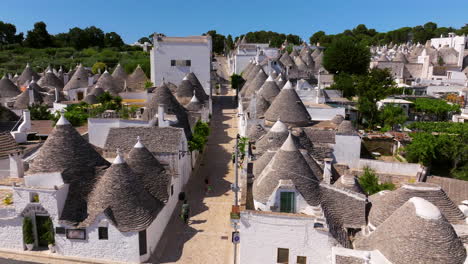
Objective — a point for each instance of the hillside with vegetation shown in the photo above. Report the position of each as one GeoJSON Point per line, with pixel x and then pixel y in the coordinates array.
{"type": "Point", "coordinates": [87, 46]}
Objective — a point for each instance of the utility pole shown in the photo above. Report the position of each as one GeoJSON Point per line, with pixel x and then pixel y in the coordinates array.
{"type": "Point", "coordinates": [236, 191]}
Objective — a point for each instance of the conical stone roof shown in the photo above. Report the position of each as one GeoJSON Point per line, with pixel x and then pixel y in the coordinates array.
{"type": "Point", "coordinates": [307, 58]}
{"type": "Point", "coordinates": [262, 161]}
{"type": "Point", "coordinates": [417, 232]}
{"type": "Point", "coordinates": [27, 75]}
{"type": "Point", "coordinates": [8, 88]}
{"type": "Point", "coordinates": [194, 105]}
{"type": "Point", "coordinates": [247, 69]}
{"type": "Point", "coordinates": [185, 91]}
{"type": "Point", "coordinates": [286, 60]}
{"type": "Point", "coordinates": [385, 203]}
{"type": "Point", "coordinates": [120, 76]}
{"type": "Point", "coordinates": [316, 53]}
{"type": "Point", "coordinates": [383, 58]}
{"type": "Point", "coordinates": [294, 53]}
{"type": "Point", "coordinates": [136, 81]}
{"type": "Point", "coordinates": [262, 106]}
{"type": "Point", "coordinates": [50, 81]}
{"type": "Point", "coordinates": [22, 101]}
{"type": "Point", "coordinates": [65, 151]}
{"type": "Point", "coordinates": [300, 63]}
{"type": "Point", "coordinates": [255, 84]}
{"type": "Point", "coordinates": [91, 99]}
{"type": "Point", "coordinates": [78, 80]}
{"type": "Point", "coordinates": [164, 96]}
{"type": "Point", "coordinates": [151, 172]}
{"type": "Point", "coordinates": [287, 164]}
{"type": "Point", "coordinates": [400, 57]}
{"type": "Point", "coordinates": [274, 139]}
{"type": "Point", "coordinates": [269, 90]}
{"type": "Point", "coordinates": [253, 72]}
{"type": "Point", "coordinates": [288, 108]}
{"type": "Point", "coordinates": [337, 119]}
{"type": "Point", "coordinates": [255, 132]}
{"type": "Point", "coordinates": [280, 82]}
{"type": "Point", "coordinates": [121, 195]}
{"type": "Point", "coordinates": [198, 87]}
{"type": "Point", "coordinates": [108, 84]}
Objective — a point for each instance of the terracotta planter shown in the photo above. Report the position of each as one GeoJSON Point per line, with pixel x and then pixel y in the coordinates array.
{"type": "Point", "coordinates": [29, 247]}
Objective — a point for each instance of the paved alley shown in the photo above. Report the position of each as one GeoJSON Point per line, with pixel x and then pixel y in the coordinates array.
{"type": "Point", "coordinates": [207, 238]}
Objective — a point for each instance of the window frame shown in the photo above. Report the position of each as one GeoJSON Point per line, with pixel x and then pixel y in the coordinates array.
{"type": "Point", "coordinates": [105, 235]}
{"type": "Point", "coordinates": [291, 200]}
{"type": "Point", "coordinates": [302, 261]}
{"type": "Point", "coordinates": [279, 256]}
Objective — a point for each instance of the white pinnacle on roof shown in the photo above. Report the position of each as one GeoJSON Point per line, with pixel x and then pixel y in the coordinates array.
{"type": "Point", "coordinates": [139, 144]}
{"type": "Point", "coordinates": [185, 78]}
{"type": "Point", "coordinates": [289, 145]}
{"type": "Point", "coordinates": [288, 85]}
{"type": "Point", "coordinates": [194, 99]}
{"type": "Point", "coordinates": [279, 127]}
{"type": "Point", "coordinates": [270, 79]}
{"type": "Point", "coordinates": [62, 121]}
{"type": "Point", "coordinates": [106, 71]}
{"type": "Point", "coordinates": [425, 209]}
{"type": "Point", "coordinates": [119, 159]}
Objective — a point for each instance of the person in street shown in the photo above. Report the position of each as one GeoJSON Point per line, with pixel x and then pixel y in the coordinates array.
{"type": "Point", "coordinates": [185, 211]}
{"type": "Point", "coordinates": [207, 186]}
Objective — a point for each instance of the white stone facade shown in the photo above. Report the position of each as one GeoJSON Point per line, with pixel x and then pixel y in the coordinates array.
{"type": "Point", "coordinates": [262, 233]}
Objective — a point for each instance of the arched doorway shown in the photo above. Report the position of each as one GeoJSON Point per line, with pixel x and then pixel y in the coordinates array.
{"type": "Point", "coordinates": [42, 224]}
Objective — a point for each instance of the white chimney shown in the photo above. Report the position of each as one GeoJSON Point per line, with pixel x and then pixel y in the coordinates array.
{"type": "Point", "coordinates": [26, 124]}
{"type": "Point", "coordinates": [161, 122]}
{"type": "Point", "coordinates": [16, 165]}
{"type": "Point", "coordinates": [56, 95]}
{"type": "Point", "coordinates": [327, 171]}
{"type": "Point", "coordinates": [90, 80]}
{"type": "Point", "coordinates": [31, 96]}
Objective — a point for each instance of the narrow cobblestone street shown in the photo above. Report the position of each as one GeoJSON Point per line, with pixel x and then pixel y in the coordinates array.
{"type": "Point", "coordinates": [207, 237]}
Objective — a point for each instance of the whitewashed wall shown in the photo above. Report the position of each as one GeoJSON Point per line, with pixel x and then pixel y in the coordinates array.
{"type": "Point", "coordinates": [98, 128]}
{"type": "Point", "coordinates": [322, 114]}
{"type": "Point", "coordinates": [11, 234]}
{"type": "Point", "coordinates": [347, 150]}
{"type": "Point", "coordinates": [410, 169]}
{"type": "Point", "coordinates": [122, 247]}
{"type": "Point", "coordinates": [261, 234]}
{"type": "Point", "coordinates": [198, 53]}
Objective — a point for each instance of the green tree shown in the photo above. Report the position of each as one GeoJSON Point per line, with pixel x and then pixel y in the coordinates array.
{"type": "Point", "coordinates": [144, 39]}
{"type": "Point", "coordinates": [345, 83]}
{"type": "Point", "coordinates": [218, 41]}
{"type": "Point", "coordinates": [200, 135]}
{"type": "Point", "coordinates": [316, 37]}
{"type": "Point", "coordinates": [423, 148]}
{"type": "Point", "coordinates": [28, 235]}
{"type": "Point", "coordinates": [98, 67]}
{"type": "Point", "coordinates": [392, 115]}
{"type": "Point", "coordinates": [8, 34]}
{"type": "Point", "coordinates": [230, 42]}
{"type": "Point", "coordinates": [437, 109]}
{"type": "Point", "coordinates": [236, 81]}
{"type": "Point", "coordinates": [113, 40]}
{"type": "Point", "coordinates": [369, 182]}
{"type": "Point", "coordinates": [371, 88]}
{"type": "Point", "coordinates": [39, 112]}
{"type": "Point", "coordinates": [38, 37]}
{"type": "Point", "coordinates": [345, 55]}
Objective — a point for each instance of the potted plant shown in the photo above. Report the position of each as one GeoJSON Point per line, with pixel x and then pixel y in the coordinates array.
{"type": "Point", "coordinates": [49, 235]}
{"type": "Point", "coordinates": [28, 236]}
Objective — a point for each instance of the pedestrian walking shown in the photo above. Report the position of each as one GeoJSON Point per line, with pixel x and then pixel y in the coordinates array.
{"type": "Point", "coordinates": [185, 212]}
{"type": "Point", "coordinates": [207, 186]}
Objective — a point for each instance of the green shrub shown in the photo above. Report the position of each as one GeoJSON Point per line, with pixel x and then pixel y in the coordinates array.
{"type": "Point", "coordinates": [370, 182]}
{"type": "Point", "coordinates": [99, 67]}
{"type": "Point", "coordinates": [49, 235]}
{"type": "Point", "coordinates": [200, 135]}
{"type": "Point", "coordinates": [39, 112]}
{"type": "Point", "coordinates": [28, 236]}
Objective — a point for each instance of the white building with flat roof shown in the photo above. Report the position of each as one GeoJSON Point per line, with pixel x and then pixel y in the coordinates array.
{"type": "Point", "coordinates": [172, 58]}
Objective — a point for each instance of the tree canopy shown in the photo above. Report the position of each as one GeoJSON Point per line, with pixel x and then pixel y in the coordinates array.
{"type": "Point", "coordinates": [38, 37]}
{"type": "Point", "coordinates": [372, 88]}
{"type": "Point", "coordinates": [346, 56]}
{"type": "Point", "coordinates": [361, 34]}
{"type": "Point", "coordinates": [275, 39]}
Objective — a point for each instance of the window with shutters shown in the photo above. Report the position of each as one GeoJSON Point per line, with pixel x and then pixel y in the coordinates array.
{"type": "Point", "coordinates": [282, 256]}
{"type": "Point", "coordinates": [287, 202]}
{"type": "Point", "coordinates": [301, 260]}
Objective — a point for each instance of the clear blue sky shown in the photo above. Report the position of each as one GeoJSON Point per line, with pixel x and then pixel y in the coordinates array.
{"type": "Point", "coordinates": [134, 19]}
